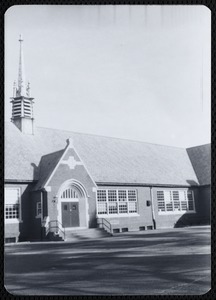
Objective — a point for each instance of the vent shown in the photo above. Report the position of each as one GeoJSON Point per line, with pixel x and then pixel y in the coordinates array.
{"type": "Point", "coordinates": [142, 228]}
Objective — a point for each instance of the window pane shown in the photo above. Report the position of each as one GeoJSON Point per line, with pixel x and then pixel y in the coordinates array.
{"type": "Point", "coordinates": [184, 205]}
{"type": "Point", "coordinates": [176, 200]}
{"type": "Point", "coordinates": [12, 211]}
{"type": "Point", "coordinates": [69, 194]}
{"type": "Point", "coordinates": [122, 195]}
{"type": "Point", "coordinates": [102, 208]}
{"type": "Point", "coordinates": [190, 200]}
{"type": "Point", "coordinates": [101, 195]}
{"type": "Point", "coordinates": [189, 195]}
{"type": "Point", "coordinates": [160, 200]}
{"type": "Point", "coordinates": [113, 208]}
{"type": "Point", "coordinates": [11, 195]}
{"type": "Point", "coordinates": [123, 207]}
{"type": "Point", "coordinates": [112, 195]}
{"type": "Point", "coordinates": [132, 207]}
{"type": "Point", "coordinates": [132, 195]}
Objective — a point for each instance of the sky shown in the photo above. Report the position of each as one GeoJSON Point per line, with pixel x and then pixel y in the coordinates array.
{"type": "Point", "coordinates": [134, 72]}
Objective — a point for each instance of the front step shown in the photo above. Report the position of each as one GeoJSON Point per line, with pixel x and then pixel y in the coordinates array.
{"type": "Point", "coordinates": [54, 237]}
{"type": "Point", "coordinates": [85, 234]}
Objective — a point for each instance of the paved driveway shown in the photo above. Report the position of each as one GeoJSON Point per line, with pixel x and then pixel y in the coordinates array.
{"type": "Point", "coordinates": [173, 261]}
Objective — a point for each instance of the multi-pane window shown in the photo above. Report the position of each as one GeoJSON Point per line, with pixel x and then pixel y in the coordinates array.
{"type": "Point", "coordinates": [38, 209]}
{"type": "Point", "coordinates": [113, 201]}
{"type": "Point", "coordinates": [102, 202]}
{"type": "Point", "coordinates": [175, 201]}
{"type": "Point", "coordinates": [12, 205]}
{"type": "Point", "coordinates": [69, 194]}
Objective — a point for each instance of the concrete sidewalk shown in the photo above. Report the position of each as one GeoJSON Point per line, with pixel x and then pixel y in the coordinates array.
{"type": "Point", "coordinates": [175, 261]}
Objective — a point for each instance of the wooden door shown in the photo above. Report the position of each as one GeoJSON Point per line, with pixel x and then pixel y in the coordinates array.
{"type": "Point", "coordinates": [70, 214]}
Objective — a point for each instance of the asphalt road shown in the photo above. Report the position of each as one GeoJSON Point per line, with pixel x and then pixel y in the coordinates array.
{"type": "Point", "coordinates": [166, 262]}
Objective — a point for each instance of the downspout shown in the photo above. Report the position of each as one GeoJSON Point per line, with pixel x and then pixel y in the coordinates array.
{"type": "Point", "coordinates": [152, 205]}
{"type": "Point", "coordinates": [42, 233]}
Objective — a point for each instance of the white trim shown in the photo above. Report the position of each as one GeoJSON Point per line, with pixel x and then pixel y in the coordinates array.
{"type": "Point", "coordinates": [13, 220]}
{"type": "Point", "coordinates": [128, 214]}
{"type": "Point", "coordinates": [84, 165]}
{"type": "Point", "coordinates": [69, 146]}
{"type": "Point", "coordinates": [175, 212]}
{"type": "Point", "coordinates": [118, 215]}
{"type": "Point", "coordinates": [69, 200]}
{"type": "Point", "coordinates": [81, 189]}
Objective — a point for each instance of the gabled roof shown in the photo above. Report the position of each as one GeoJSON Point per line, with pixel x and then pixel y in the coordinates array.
{"type": "Point", "coordinates": [109, 160]}
{"type": "Point", "coordinates": [46, 166]}
{"type": "Point", "coordinates": [200, 157]}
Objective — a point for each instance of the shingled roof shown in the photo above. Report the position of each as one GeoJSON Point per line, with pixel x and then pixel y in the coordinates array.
{"type": "Point", "coordinates": [200, 157]}
{"type": "Point", "coordinates": [109, 160]}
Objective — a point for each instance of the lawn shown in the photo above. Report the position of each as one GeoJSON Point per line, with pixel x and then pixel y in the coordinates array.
{"type": "Point", "coordinates": [175, 261]}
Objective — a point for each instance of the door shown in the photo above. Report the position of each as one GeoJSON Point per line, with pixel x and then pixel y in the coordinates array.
{"type": "Point", "coordinates": [70, 214]}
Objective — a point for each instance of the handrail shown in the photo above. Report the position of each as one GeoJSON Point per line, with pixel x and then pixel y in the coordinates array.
{"type": "Point", "coordinates": [107, 224]}
{"type": "Point", "coordinates": [57, 225]}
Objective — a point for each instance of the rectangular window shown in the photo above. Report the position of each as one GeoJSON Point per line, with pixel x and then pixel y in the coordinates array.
{"type": "Point", "coordinates": [38, 209]}
{"type": "Point", "coordinates": [111, 201]}
{"type": "Point", "coordinates": [175, 201]}
{"type": "Point", "coordinates": [12, 204]}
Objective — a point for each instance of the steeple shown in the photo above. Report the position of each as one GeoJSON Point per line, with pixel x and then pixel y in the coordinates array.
{"type": "Point", "coordinates": [22, 103]}
{"type": "Point", "coordinates": [21, 91]}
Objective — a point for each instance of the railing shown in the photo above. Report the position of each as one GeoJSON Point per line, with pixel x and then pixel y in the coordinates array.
{"type": "Point", "coordinates": [106, 225]}
{"type": "Point", "coordinates": [55, 226]}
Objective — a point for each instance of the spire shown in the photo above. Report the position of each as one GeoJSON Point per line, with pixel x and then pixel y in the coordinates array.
{"type": "Point", "coordinates": [21, 91]}
{"type": "Point", "coordinates": [22, 102]}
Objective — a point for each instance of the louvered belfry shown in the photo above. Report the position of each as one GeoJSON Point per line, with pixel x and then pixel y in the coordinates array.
{"type": "Point", "coordinates": [22, 103]}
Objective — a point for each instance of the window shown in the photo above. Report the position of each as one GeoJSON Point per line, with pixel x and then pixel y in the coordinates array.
{"type": "Point", "coordinates": [102, 202]}
{"type": "Point", "coordinates": [175, 201]}
{"type": "Point", "coordinates": [38, 209]}
{"type": "Point", "coordinates": [12, 204]}
{"type": "Point", "coordinates": [112, 202]}
{"type": "Point", "coordinates": [69, 194]}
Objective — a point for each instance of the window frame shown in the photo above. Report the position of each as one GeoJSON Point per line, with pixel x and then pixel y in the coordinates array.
{"type": "Point", "coordinates": [106, 203]}
{"type": "Point", "coordinates": [38, 215]}
{"type": "Point", "coordinates": [175, 211]}
{"type": "Point", "coordinates": [13, 220]}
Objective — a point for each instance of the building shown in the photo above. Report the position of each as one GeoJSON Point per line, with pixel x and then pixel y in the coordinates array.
{"type": "Point", "coordinates": [57, 181]}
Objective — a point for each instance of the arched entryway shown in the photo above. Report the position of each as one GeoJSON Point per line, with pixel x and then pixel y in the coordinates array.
{"type": "Point", "coordinates": [72, 205]}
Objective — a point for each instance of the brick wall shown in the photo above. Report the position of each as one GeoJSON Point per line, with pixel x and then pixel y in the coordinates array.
{"type": "Point", "coordinates": [63, 173]}
{"type": "Point", "coordinates": [21, 230]}
{"type": "Point", "coordinates": [178, 219]}
{"type": "Point", "coordinates": [133, 222]}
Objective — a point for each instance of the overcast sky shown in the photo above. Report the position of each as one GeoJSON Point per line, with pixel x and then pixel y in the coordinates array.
{"type": "Point", "coordinates": [135, 72]}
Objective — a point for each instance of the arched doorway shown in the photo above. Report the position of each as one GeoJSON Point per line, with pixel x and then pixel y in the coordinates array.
{"type": "Point", "coordinates": [72, 206]}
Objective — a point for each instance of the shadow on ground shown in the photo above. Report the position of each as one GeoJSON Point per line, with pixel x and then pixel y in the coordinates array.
{"type": "Point", "coordinates": [175, 262]}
